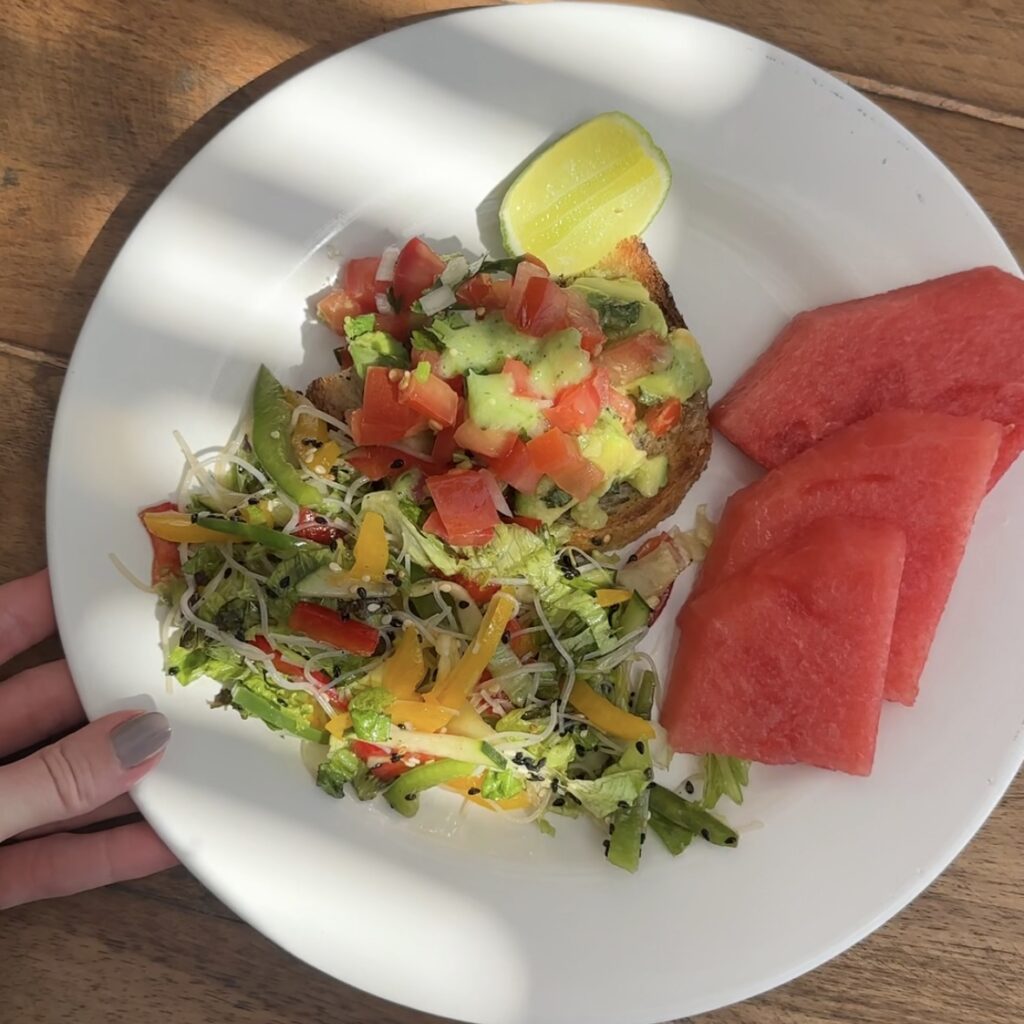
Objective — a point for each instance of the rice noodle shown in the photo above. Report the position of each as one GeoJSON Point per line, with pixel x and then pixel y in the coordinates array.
{"type": "Point", "coordinates": [134, 580]}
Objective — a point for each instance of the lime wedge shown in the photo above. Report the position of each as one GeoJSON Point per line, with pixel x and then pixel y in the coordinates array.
{"type": "Point", "coordinates": [602, 182]}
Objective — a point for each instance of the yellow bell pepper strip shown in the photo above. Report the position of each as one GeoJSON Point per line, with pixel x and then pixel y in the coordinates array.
{"type": "Point", "coordinates": [324, 458]}
{"type": "Point", "coordinates": [469, 722]}
{"type": "Point", "coordinates": [371, 550]}
{"type": "Point", "coordinates": [606, 716]}
{"type": "Point", "coordinates": [178, 528]}
{"type": "Point", "coordinates": [405, 669]}
{"type": "Point", "coordinates": [308, 434]}
{"type": "Point", "coordinates": [419, 716]}
{"type": "Point", "coordinates": [453, 690]}
{"type": "Point", "coordinates": [610, 598]}
{"type": "Point", "coordinates": [271, 438]}
{"type": "Point", "coordinates": [339, 724]}
{"type": "Point", "coordinates": [465, 786]}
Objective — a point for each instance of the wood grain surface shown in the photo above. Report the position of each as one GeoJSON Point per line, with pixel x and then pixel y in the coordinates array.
{"type": "Point", "coordinates": [101, 103]}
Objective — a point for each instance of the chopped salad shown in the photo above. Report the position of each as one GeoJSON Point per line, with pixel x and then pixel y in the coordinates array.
{"type": "Point", "coordinates": [364, 584]}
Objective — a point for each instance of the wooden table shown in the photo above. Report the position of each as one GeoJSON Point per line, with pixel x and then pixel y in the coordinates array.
{"type": "Point", "coordinates": [102, 102]}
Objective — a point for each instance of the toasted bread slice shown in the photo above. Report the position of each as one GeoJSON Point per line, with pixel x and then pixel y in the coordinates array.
{"type": "Point", "coordinates": [687, 446]}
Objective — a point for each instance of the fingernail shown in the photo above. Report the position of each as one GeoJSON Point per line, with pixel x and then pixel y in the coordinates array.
{"type": "Point", "coordinates": [140, 737]}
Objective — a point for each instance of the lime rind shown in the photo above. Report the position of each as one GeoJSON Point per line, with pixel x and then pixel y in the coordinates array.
{"type": "Point", "coordinates": [616, 188]}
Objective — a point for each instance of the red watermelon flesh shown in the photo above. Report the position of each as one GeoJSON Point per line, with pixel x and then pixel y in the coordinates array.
{"type": "Point", "coordinates": [925, 473]}
{"type": "Point", "coordinates": [771, 664]}
{"type": "Point", "coordinates": [954, 344]}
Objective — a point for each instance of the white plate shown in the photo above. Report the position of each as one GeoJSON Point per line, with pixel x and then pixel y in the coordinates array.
{"type": "Point", "coordinates": [790, 190]}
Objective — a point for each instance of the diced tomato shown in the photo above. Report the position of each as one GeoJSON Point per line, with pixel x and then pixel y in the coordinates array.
{"type": "Point", "coordinates": [484, 292]}
{"type": "Point", "coordinates": [444, 448]}
{"type": "Point", "coordinates": [558, 456]}
{"type": "Point", "coordinates": [543, 309]}
{"type": "Point", "coordinates": [527, 522]}
{"type": "Point", "coordinates": [480, 592]}
{"type": "Point", "coordinates": [358, 281]}
{"type": "Point", "coordinates": [614, 400]}
{"type": "Point", "coordinates": [518, 469]}
{"type": "Point", "coordinates": [416, 270]}
{"type": "Point", "coordinates": [335, 306]}
{"type": "Point", "coordinates": [383, 418]}
{"type": "Point", "coordinates": [471, 539]}
{"type": "Point", "coordinates": [379, 462]}
{"type": "Point", "coordinates": [662, 418]}
{"type": "Point", "coordinates": [286, 668]}
{"type": "Point", "coordinates": [431, 398]}
{"type": "Point", "coordinates": [583, 317]}
{"type": "Point", "coordinates": [309, 529]}
{"type": "Point", "coordinates": [635, 357]}
{"type": "Point", "coordinates": [428, 356]}
{"type": "Point", "coordinates": [576, 409]}
{"type": "Point", "coordinates": [464, 502]}
{"type": "Point", "coordinates": [166, 557]}
{"type": "Point", "coordinates": [320, 623]}
{"type": "Point", "coordinates": [522, 382]}
{"type": "Point", "coordinates": [399, 325]}
{"type": "Point", "coordinates": [525, 273]}
{"type": "Point", "coordinates": [491, 443]}
{"type": "Point", "coordinates": [386, 771]}
{"type": "Point", "coordinates": [365, 750]}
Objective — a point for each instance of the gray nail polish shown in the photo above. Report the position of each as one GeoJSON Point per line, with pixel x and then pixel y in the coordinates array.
{"type": "Point", "coordinates": [140, 737]}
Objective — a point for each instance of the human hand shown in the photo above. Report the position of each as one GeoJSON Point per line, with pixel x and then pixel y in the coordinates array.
{"type": "Point", "coordinates": [79, 780]}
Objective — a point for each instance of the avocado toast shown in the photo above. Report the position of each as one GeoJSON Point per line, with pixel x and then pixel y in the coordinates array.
{"type": "Point", "coordinates": [585, 398]}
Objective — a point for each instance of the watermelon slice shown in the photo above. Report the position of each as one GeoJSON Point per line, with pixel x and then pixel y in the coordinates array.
{"type": "Point", "coordinates": [923, 472]}
{"type": "Point", "coordinates": [785, 660]}
{"type": "Point", "coordinates": [953, 344]}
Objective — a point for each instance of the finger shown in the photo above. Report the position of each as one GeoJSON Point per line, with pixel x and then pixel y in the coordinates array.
{"type": "Point", "coordinates": [80, 772]}
{"type": "Point", "coordinates": [63, 864]}
{"type": "Point", "coordinates": [36, 704]}
{"type": "Point", "coordinates": [119, 807]}
{"type": "Point", "coordinates": [26, 614]}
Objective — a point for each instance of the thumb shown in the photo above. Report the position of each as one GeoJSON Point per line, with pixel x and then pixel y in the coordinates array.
{"type": "Point", "coordinates": [80, 772]}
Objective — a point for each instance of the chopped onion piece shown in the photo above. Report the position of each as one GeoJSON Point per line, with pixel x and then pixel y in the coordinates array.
{"type": "Point", "coordinates": [440, 298]}
{"type": "Point", "coordinates": [469, 315]}
{"type": "Point", "coordinates": [455, 270]}
{"type": "Point", "coordinates": [386, 268]}
{"type": "Point", "coordinates": [383, 303]}
{"type": "Point", "coordinates": [496, 496]}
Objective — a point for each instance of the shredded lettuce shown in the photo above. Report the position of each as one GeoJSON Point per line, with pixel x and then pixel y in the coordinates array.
{"type": "Point", "coordinates": [500, 785]}
{"type": "Point", "coordinates": [340, 766]}
{"type": "Point", "coordinates": [424, 550]}
{"type": "Point", "coordinates": [370, 719]}
{"type": "Point", "coordinates": [516, 552]}
{"type": "Point", "coordinates": [358, 325]}
{"type": "Point", "coordinates": [603, 796]}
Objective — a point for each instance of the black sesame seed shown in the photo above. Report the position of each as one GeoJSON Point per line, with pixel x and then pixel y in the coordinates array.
{"type": "Point", "coordinates": [705, 834]}
{"type": "Point", "coordinates": [286, 582]}
{"type": "Point", "coordinates": [473, 790]}
{"type": "Point", "coordinates": [463, 604]}
{"type": "Point", "coordinates": [540, 764]}
{"type": "Point", "coordinates": [597, 541]}
{"type": "Point", "coordinates": [506, 636]}
{"type": "Point", "coordinates": [322, 520]}
{"type": "Point", "coordinates": [519, 758]}
{"type": "Point", "coordinates": [639, 746]}
{"type": "Point", "coordinates": [559, 801]}
{"type": "Point", "coordinates": [194, 517]}
{"type": "Point", "coordinates": [554, 782]}
{"type": "Point", "coordinates": [361, 593]}
{"type": "Point", "coordinates": [398, 464]}
{"type": "Point", "coordinates": [580, 750]}
{"type": "Point", "coordinates": [689, 787]}
{"type": "Point", "coordinates": [611, 829]}
{"type": "Point", "coordinates": [730, 840]}
{"type": "Point", "coordinates": [607, 846]}
{"type": "Point", "coordinates": [254, 501]}
{"type": "Point", "coordinates": [271, 592]}
{"type": "Point", "coordinates": [623, 805]}
{"type": "Point", "coordinates": [395, 758]}
{"type": "Point", "coordinates": [632, 558]}
{"type": "Point", "coordinates": [228, 571]}
{"type": "Point", "coordinates": [173, 670]}
{"type": "Point", "coordinates": [643, 838]}
{"type": "Point", "coordinates": [410, 796]}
